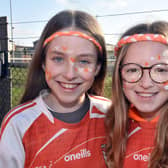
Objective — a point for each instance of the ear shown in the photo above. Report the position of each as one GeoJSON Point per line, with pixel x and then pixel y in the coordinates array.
{"type": "Point", "coordinates": [98, 67]}
{"type": "Point", "coordinates": [43, 67]}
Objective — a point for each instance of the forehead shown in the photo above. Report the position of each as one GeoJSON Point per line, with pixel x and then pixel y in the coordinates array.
{"type": "Point", "coordinates": [72, 44]}
{"type": "Point", "coordinates": [146, 51]}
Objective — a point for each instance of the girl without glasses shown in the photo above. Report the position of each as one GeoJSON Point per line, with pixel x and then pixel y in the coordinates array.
{"type": "Point", "coordinates": [137, 122]}
{"type": "Point", "coordinates": [60, 122]}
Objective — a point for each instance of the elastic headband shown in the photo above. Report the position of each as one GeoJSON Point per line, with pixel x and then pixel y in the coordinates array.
{"type": "Point", "coordinates": [72, 33]}
{"type": "Point", "coordinates": [140, 37]}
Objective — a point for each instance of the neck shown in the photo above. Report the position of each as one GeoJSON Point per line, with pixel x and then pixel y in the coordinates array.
{"type": "Point", "coordinates": [57, 106]}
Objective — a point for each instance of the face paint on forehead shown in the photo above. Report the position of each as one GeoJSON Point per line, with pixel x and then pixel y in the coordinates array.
{"type": "Point", "coordinates": [165, 56]}
{"type": "Point", "coordinates": [152, 58]}
{"type": "Point", "coordinates": [146, 63]}
{"type": "Point", "coordinates": [165, 53]}
{"type": "Point", "coordinates": [158, 57]}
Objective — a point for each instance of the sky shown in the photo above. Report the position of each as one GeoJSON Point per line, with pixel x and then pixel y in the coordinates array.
{"type": "Point", "coordinates": [113, 26]}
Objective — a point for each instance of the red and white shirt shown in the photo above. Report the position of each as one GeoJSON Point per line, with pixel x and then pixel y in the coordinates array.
{"type": "Point", "coordinates": [31, 137]}
{"type": "Point", "coordinates": [140, 141]}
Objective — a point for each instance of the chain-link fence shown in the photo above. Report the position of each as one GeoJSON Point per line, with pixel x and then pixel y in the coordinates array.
{"type": "Point", "coordinates": [18, 73]}
{"type": "Point", "coordinates": [12, 85]}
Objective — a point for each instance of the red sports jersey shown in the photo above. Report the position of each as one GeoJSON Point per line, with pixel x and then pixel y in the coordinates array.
{"type": "Point", "coordinates": [140, 142]}
{"type": "Point", "coordinates": [31, 137]}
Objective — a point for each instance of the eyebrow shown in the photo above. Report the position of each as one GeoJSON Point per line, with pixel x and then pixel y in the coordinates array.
{"type": "Point", "coordinates": [80, 55]}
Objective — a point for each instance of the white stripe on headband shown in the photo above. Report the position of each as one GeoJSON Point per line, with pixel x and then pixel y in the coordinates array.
{"type": "Point", "coordinates": [140, 37]}
{"type": "Point", "coordinates": [72, 33]}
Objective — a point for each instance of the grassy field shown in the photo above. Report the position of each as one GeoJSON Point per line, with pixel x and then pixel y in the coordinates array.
{"type": "Point", "coordinates": [19, 78]}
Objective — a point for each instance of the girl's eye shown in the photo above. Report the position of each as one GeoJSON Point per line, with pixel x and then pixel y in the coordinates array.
{"type": "Point", "coordinates": [58, 59]}
{"type": "Point", "coordinates": [84, 62]}
{"type": "Point", "coordinates": [161, 70]}
{"type": "Point", "coordinates": [132, 70]}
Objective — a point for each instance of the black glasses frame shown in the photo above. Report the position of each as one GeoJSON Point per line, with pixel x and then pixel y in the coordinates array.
{"type": "Point", "coordinates": [142, 70]}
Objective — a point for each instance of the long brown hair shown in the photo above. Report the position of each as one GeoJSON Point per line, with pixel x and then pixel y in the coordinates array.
{"type": "Point", "coordinates": [78, 20]}
{"type": "Point", "coordinates": [117, 117]}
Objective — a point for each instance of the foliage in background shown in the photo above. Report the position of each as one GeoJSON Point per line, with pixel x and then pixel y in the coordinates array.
{"type": "Point", "coordinates": [18, 75]}
{"type": "Point", "coordinates": [107, 86]}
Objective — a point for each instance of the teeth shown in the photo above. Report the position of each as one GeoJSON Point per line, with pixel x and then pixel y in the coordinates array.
{"type": "Point", "coordinates": [146, 94]}
{"type": "Point", "coordinates": [68, 86]}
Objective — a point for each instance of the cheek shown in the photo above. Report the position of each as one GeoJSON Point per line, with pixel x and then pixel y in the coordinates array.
{"type": "Point", "coordinates": [48, 75]}
{"type": "Point", "coordinates": [86, 73]}
{"type": "Point", "coordinates": [127, 86]}
{"type": "Point", "coordinates": [165, 86]}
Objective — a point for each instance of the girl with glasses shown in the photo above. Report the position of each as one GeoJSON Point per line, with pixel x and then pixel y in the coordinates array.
{"type": "Point", "coordinates": [137, 122]}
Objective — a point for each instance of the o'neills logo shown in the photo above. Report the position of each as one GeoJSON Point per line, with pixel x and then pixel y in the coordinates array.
{"type": "Point", "coordinates": [84, 153]}
{"type": "Point", "coordinates": [144, 158]}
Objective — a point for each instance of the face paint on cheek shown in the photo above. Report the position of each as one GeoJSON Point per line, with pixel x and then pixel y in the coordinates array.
{"type": "Point", "coordinates": [166, 85]}
{"type": "Point", "coordinates": [85, 70]}
{"type": "Point", "coordinates": [48, 75]}
{"type": "Point", "coordinates": [76, 69]}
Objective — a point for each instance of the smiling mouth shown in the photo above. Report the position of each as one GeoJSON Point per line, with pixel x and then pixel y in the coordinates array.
{"type": "Point", "coordinates": [68, 85]}
{"type": "Point", "coordinates": [147, 95]}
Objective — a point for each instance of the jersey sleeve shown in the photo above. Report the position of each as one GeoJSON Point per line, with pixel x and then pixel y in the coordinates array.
{"type": "Point", "coordinates": [11, 148]}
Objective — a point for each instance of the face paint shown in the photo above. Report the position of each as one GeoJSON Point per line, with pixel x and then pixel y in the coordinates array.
{"type": "Point", "coordinates": [146, 63]}
{"type": "Point", "coordinates": [64, 48]}
{"type": "Point", "coordinates": [152, 58]}
{"type": "Point", "coordinates": [165, 56]}
{"type": "Point", "coordinates": [158, 57]}
{"type": "Point", "coordinates": [166, 85]}
{"type": "Point", "coordinates": [72, 59]}
{"type": "Point", "coordinates": [165, 53]}
{"type": "Point", "coordinates": [85, 69]}
{"type": "Point", "coordinates": [48, 75]}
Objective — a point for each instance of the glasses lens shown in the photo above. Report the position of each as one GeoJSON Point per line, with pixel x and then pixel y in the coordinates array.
{"type": "Point", "coordinates": [131, 72]}
{"type": "Point", "coordinates": [159, 73]}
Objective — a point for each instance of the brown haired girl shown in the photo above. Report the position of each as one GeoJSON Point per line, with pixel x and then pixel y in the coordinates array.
{"type": "Point", "coordinates": [60, 122]}
{"type": "Point", "coordinates": [137, 122]}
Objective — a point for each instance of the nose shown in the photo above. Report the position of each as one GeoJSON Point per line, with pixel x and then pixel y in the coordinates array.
{"type": "Point", "coordinates": [69, 71]}
{"type": "Point", "coordinates": [146, 81]}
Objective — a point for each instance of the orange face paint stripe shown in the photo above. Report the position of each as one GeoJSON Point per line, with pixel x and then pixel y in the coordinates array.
{"type": "Point", "coordinates": [48, 75]}
{"type": "Point", "coordinates": [72, 33]}
{"type": "Point", "coordinates": [140, 37]}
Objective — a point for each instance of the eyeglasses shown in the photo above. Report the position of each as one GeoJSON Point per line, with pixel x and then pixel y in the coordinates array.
{"type": "Point", "coordinates": [132, 72]}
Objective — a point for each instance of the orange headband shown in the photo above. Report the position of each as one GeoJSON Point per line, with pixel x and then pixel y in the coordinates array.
{"type": "Point", "coordinates": [140, 37]}
{"type": "Point", "coordinates": [72, 33]}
